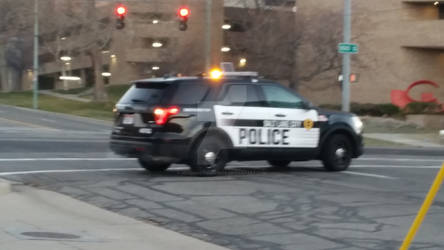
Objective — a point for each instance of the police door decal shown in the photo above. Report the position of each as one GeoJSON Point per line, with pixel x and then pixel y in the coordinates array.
{"type": "Point", "coordinates": [269, 127]}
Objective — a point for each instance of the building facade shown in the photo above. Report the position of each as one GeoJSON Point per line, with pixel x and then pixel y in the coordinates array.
{"type": "Point", "coordinates": [294, 42]}
{"type": "Point", "coordinates": [400, 42]}
{"type": "Point", "coordinates": [150, 45]}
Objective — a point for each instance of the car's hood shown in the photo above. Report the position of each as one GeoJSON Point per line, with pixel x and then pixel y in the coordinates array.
{"type": "Point", "coordinates": [329, 112]}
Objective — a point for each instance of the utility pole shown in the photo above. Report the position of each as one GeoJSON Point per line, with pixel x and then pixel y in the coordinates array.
{"type": "Point", "coordinates": [346, 58]}
{"type": "Point", "coordinates": [35, 80]}
{"type": "Point", "coordinates": [208, 26]}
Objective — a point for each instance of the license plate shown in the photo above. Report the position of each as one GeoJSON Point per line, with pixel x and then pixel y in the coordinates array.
{"type": "Point", "coordinates": [145, 131]}
{"type": "Point", "coordinates": [128, 119]}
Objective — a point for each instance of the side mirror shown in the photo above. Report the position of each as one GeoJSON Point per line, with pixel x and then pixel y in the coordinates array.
{"type": "Point", "coordinates": [308, 105]}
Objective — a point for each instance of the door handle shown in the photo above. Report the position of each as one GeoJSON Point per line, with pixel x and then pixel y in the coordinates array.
{"type": "Point", "coordinates": [227, 113]}
{"type": "Point", "coordinates": [280, 115]}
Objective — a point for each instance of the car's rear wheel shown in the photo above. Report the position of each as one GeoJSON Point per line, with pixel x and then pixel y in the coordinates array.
{"type": "Point", "coordinates": [209, 156]}
{"type": "Point", "coordinates": [279, 163]}
{"type": "Point", "coordinates": [337, 153]}
{"type": "Point", "coordinates": [153, 166]}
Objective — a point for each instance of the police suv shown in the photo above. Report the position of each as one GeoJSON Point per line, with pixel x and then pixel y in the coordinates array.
{"type": "Point", "coordinates": [206, 122]}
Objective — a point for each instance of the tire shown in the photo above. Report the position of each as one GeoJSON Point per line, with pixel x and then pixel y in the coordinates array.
{"type": "Point", "coordinates": [209, 156]}
{"type": "Point", "coordinates": [279, 163]}
{"type": "Point", "coordinates": [337, 153]}
{"type": "Point", "coordinates": [153, 166]}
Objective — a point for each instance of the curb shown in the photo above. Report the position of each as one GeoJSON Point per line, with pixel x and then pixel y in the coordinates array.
{"type": "Point", "coordinates": [67, 116]}
{"type": "Point", "coordinates": [5, 187]}
{"type": "Point", "coordinates": [405, 151]}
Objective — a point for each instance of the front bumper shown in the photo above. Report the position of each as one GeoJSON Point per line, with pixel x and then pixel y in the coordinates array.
{"type": "Point", "coordinates": [359, 147]}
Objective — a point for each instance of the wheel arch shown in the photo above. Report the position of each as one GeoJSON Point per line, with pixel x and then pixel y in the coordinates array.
{"type": "Point", "coordinates": [342, 129]}
{"type": "Point", "coordinates": [210, 131]}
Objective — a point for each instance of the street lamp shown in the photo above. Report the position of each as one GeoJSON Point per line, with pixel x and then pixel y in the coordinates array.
{"type": "Point", "coordinates": [66, 58]}
{"type": "Point", "coordinates": [226, 26]}
{"type": "Point", "coordinates": [225, 49]}
{"type": "Point", "coordinates": [157, 44]}
{"type": "Point", "coordinates": [242, 62]}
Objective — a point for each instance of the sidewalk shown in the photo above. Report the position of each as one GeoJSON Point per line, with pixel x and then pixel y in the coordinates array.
{"type": "Point", "coordinates": [42, 220]}
{"type": "Point", "coordinates": [415, 140]}
{"type": "Point", "coordinates": [64, 96]}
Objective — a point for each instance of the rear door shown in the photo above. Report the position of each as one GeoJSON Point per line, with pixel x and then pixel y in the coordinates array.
{"type": "Point", "coordinates": [241, 114]}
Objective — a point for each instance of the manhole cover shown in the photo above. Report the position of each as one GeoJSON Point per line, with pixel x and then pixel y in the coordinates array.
{"type": "Point", "coordinates": [51, 235]}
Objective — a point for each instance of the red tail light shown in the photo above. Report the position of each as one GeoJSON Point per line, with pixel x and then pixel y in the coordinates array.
{"type": "Point", "coordinates": [161, 114]}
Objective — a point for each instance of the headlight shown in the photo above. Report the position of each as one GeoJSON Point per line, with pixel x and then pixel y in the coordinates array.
{"type": "Point", "coordinates": [357, 124]}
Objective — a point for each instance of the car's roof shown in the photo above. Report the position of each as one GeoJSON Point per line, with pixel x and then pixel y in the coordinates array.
{"type": "Point", "coordinates": [166, 79]}
{"type": "Point", "coordinates": [170, 80]}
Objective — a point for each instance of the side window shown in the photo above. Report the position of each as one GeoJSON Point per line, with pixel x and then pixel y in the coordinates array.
{"type": "Point", "coordinates": [241, 95]}
{"type": "Point", "coordinates": [278, 97]}
{"type": "Point", "coordinates": [188, 94]}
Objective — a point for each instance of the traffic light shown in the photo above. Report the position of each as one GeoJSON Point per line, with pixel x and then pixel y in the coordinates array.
{"type": "Point", "coordinates": [120, 11]}
{"type": "Point", "coordinates": [183, 14]}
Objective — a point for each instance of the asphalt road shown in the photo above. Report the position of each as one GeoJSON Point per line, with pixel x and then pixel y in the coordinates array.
{"type": "Point", "coordinates": [251, 206]}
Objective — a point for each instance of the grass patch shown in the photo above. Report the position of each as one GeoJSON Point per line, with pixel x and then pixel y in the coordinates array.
{"type": "Point", "coordinates": [71, 91]}
{"type": "Point", "coordinates": [370, 142]}
{"type": "Point", "coordinates": [98, 110]}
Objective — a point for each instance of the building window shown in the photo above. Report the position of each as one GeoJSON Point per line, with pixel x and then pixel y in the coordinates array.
{"type": "Point", "coordinates": [280, 2]}
{"type": "Point", "coordinates": [441, 10]}
{"type": "Point", "coordinates": [235, 26]}
{"type": "Point", "coordinates": [152, 18]}
{"type": "Point", "coordinates": [154, 43]}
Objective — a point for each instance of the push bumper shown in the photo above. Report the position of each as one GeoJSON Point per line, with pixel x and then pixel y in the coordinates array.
{"type": "Point", "coordinates": [359, 150]}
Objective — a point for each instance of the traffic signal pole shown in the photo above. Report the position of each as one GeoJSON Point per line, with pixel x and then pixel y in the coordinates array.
{"type": "Point", "coordinates": [346, 58]}
{"type": "Point", "coordinates": [208, 34]}
{"type": "Point", "coordinates": [35, 76]}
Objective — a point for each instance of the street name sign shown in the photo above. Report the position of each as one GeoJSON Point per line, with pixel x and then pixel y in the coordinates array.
{"type": "Point", "coordinates": [348, 48]}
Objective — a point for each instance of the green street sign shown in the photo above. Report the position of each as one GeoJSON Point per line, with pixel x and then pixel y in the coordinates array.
{"type": "Point", "coordinates": [348, 48]}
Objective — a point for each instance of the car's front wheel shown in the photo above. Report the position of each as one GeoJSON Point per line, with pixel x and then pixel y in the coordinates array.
{"type": "Point", "coordinates": [153, 166]}
{"type": "Point", "coordinates": [337, 153]}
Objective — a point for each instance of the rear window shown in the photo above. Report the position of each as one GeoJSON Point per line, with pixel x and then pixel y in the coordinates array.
{"type": "Point", "coordinates": [144, 93]}
{"type": "Point", "coordinates": [186, 94]}
{"type": "Point", "coordinates": [153, 93]}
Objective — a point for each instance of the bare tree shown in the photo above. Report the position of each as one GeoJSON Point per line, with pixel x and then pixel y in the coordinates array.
{"type": "Point", "coordinates": [76, 28]}
{"type": "Point", "coordinates": [317, 54]}
{"type": "Point", "coordinates": [15, 18]}
{"type": "Point", "coordinates": [267, 36]}
{"type": "Point", "coordinates": [284, 44]}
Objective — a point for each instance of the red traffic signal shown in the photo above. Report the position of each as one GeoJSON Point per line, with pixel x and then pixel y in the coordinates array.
{"type": "Point", "coordinates": [121, 10]}
{"type": "Point", "coordinates": [184, 12]}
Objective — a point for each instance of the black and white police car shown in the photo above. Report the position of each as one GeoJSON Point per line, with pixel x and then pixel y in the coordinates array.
{"type": "Point", "coordinates": [206, 122]}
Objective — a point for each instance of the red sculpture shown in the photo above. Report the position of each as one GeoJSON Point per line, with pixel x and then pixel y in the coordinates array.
{"type": "Point", "coordinates": [401, 98]}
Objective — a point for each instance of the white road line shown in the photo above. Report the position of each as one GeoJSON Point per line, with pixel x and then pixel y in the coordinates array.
{"type": "Point", "coordinates": [64, 159]}
{"type": "Point", "coordinates": [399, 159]}
{"type": "Point", "coordinates": [395, 166]}
{"type": "Point", "coordinates": [47, 120]}
{"type": "Point", "coordinates": [370, 175]}
{"type": "Point", "coordinates": [69, 171]}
